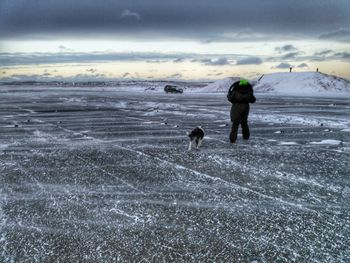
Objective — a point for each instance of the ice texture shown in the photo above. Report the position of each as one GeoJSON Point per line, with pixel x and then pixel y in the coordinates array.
{"type": "Point", "coordinates": [101, 175]}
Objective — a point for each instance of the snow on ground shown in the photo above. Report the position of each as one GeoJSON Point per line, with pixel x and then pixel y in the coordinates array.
{"type": "Point", "coordinates": [3, 146]}
{"type": "Point", "coordinates": [329, 141]}
{"type": "Point", "coordinates": [101, 175]}
{"type": "Point", "coordinates": [299, 119]}
{"type": "Point", "coordinates": [288, 143]}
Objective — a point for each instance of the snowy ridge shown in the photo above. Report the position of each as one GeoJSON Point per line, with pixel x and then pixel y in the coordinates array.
{"type": "Point", "coordinates": [308, 84]}
{"type": "Point", "coordinates": [303, 84]}
{"type": "Point", "coordinates": [220, 86]}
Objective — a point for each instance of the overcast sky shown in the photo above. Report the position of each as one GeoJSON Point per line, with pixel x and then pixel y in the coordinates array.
{"type": "Point", "coordinates": [222, 35]}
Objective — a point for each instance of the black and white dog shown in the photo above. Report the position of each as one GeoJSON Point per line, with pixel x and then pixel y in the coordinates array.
{"type": "Point", "coordinates": [197, 136]}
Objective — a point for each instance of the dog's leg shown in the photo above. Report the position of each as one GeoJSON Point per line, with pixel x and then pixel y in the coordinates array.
{"type": "Point", "coordinates": [190, 145]}
{"type": "Point", "coordinates": [199, 143]}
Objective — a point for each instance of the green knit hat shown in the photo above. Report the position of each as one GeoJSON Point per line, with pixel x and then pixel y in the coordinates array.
{"type": "Point", "coordinates": [243, 82]}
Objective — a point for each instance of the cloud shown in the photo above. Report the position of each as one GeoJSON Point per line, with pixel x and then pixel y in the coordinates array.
{"type": "Point", "coordinates": [219, 62]}
{"type": "Point", "coordinates": [324, 52]}
{"type": "Point", "coordinates": [215, 61]}
{"type": "Point", "coordinates": [330, 55]}
{"type": "Point", "coordinates": [283, 65]}
{"type": "Point", "coordinates": [245, 35]}
{"type": "Point", "coordinates": [87, 77]}
{"type": "Point", "coordinates": [64, 49]}
{"type": "Point", "coordinates": [342, 34]}
{"type": "Point", "coordinates": [286, 48]}
{"type": "Point", "coordinates": [291, 55]}
{"type": "Point", "coordinates": [175, 76]}
{"type": "Point", "coordinates": [215, 74]}
{"type": "Point", "coordinates": [156, 61]}
{"type": "Point", "coordinates": [127, 14]}
{"type": "Point", "coordinates": [178, 60]}
{"type": "Point", "coordinates": [303, 65]}
{"type": "Point", "coordinates": [343, 55]}
{"type": "Point", "coordinates": [11, 59]}
{"type": "Point", "coordinates": [322, 55]}
{"type": "Point", "coordinates": [91, 70]}
{"type": "Point", "coordinates": [250, 61]}
{"type": "Point", "coordinates": [36, 58]}
{"type": "Point", "coordinates": [211, 20]}
{"type": "Point", "coordinates": [126, 74]}
{"type": "Point", "coordinates": [24, 77]}
{"type": "Point", "coordinates": [48, 77]}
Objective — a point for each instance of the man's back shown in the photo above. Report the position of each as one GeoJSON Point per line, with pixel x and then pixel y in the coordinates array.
{"type": "Point", "coordinates": [239, 93]}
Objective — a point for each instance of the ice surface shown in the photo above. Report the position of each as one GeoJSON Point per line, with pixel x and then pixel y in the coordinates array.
{"type": "Point", "coordinates": [329, 141]}
{"type": "Point", "coordinates": [288, 143]}
{"type": "Point", "coordinates": [103, 175]}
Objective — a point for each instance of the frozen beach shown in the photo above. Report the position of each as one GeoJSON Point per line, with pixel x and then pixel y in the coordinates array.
{"type": "Point", "coordinates": [103, 175]}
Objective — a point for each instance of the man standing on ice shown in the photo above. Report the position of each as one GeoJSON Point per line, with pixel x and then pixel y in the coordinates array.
{"type": "Point", "coordinates": [240, 95]}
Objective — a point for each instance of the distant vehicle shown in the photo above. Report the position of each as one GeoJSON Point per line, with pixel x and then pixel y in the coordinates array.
{"type": "Point", "coordinates": [172, 89]}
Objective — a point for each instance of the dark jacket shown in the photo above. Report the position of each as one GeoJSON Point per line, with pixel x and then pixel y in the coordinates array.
{"type": "Point", "coordinates": [241, 93]}
{"type": "Point", "coordinates": [240, 96]}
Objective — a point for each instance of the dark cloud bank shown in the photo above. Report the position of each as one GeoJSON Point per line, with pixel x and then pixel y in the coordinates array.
{"type": "Point", "coordinates": [37, 58]}
{"type": "Point", "coordinates": [205, 20]}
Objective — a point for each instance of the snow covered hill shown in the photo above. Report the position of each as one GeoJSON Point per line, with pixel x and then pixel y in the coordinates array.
{"type": "Point", "coordinates": [303, 84]}
{"type": "Point", "coordinates": [219, 86]}
{"type": "Point", "coordinates": [310, 84]}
